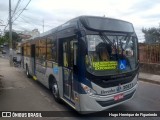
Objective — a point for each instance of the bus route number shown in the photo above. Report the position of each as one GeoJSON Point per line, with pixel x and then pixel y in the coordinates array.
{"type": "Point", "coordinates": [128, 86]}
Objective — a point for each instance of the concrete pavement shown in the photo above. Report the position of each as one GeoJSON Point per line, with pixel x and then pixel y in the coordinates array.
{"type": "Point", "coordinates": [151, 78]}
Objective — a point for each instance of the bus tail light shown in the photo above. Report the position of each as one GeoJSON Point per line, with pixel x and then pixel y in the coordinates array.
{"type": "Point", "coordinates": [88, 90]}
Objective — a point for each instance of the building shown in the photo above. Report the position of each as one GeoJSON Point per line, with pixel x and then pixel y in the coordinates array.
{"type": "Point", "coordinates": [28, 34]}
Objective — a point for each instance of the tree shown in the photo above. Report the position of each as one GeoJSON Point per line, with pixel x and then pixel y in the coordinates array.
{"type": "Point", "coordinates": [15, 38]}
{"type": "Point", "coordinates": [2, 40]}
{"type": "Point", "coordinates": [152, 35]}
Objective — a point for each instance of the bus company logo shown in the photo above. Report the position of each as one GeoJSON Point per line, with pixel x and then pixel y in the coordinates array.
{"type": "Point", "coordinates": [119, 88]}
{"type": "Point", "coordinates": [105, 92]}
{"type": "Point", "coordinates": [6, 114]}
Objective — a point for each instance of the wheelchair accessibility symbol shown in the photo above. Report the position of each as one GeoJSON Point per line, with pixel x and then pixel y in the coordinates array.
{"type": "Point", "coordinates": [122, 64]}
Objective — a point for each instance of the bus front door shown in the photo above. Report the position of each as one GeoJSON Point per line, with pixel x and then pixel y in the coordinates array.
{"type": "Point", "coordinates": [69, 58]}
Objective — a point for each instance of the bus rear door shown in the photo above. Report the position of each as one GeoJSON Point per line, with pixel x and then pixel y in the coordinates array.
{"type": "Point", "coordinates": [33, 53]}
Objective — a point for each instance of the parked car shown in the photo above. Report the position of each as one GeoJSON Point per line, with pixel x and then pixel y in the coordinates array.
{"type": "Point", "coordinates": [2, 46]}
{"type": "Point", "coordinates": [3, 52]}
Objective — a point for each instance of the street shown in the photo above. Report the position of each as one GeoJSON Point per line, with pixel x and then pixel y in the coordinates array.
{"type": "Point", "coordinates": [19, 93]}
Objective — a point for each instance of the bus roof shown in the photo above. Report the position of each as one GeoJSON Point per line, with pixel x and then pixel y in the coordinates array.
{"type": "Point", "coordinates": [93, 23]}
{"type": "Point", "coordinates": [106, 24]}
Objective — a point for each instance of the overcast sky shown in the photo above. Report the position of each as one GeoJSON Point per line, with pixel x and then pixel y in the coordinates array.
{"type": "Point", "coordinates": [142, 13]}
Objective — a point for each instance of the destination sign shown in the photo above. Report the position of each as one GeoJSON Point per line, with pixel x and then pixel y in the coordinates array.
{"type": "Point", "coordinates": [109, 65]}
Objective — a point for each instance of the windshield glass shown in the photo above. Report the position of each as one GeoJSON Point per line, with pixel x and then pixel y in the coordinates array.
{"type": "Point", "coordinates": [111, 54]}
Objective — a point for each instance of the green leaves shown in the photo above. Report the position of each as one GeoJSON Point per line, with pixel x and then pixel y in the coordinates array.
{"type": "Point", "coordinates": [5, 39]}
{"type": "Point", "coordinates": [152, 35]}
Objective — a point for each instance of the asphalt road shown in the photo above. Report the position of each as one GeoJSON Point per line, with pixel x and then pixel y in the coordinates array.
{"type": "Point", "coordinates": [19, 93]}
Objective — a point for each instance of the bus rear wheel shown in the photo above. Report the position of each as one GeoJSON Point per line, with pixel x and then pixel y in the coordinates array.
{"type": "Point", "coordinates": [55, 92]}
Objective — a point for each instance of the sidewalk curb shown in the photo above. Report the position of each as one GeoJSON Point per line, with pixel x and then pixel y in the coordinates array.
{"type": "Point", "coordinates": [149, 81]}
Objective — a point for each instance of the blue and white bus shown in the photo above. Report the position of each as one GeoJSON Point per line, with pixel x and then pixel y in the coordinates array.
{"type": "Point", "coordinates": [91, 63]}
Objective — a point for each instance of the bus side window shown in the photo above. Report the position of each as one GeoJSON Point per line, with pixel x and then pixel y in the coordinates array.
{"type": "Point", "coordinates": [73, 47]}
{"type": "Point", "coordinates": [51, 49]}
{"type": "Point", "coordinates": [37, 49]}
{"type": "Point", "coordinates": [65, 54]}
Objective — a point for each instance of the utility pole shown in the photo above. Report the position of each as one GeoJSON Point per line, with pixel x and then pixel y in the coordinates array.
{"type": "Point", "coordinates": [10, 35]}
{"type": "Point", "coordinates": [43, 25]}
{"type": "Point", "coordinates": [1, 22]}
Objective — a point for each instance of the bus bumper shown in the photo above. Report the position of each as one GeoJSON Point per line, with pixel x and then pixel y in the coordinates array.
{"type": "Point", "coordinates": [90, 104]}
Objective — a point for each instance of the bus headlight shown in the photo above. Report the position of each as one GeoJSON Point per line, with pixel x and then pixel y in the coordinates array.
{"type": "Point", "coordinates": [88, 90]}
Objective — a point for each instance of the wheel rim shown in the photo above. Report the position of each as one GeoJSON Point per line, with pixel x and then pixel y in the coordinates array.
{"type": "Point", "coordinates": [55, 90]}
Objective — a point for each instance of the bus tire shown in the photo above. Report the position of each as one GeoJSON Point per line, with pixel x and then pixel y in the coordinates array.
{"type": "Point", "coordinates": [55, 91]}
{"type": "Point", "coordinates": [27, 72]}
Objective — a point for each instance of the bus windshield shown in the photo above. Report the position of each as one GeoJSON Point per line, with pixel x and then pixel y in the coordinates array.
{"type": "Point", "coordinates": [111, 53]}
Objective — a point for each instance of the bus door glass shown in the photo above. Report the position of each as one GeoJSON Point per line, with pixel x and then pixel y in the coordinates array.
{"type": "Point", "coordinates": [33, 53]}
{"type": "Point", "coordinates": [69, 60]}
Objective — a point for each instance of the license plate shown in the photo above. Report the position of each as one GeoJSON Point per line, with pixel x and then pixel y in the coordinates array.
{"type": "Point", "coordinates": [118, 97]}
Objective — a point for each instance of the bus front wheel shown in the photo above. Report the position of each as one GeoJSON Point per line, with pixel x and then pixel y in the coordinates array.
{"type": "Point", "coordinates": [27, 72]}
{"type": "Point", "coordinates": [55, 92]}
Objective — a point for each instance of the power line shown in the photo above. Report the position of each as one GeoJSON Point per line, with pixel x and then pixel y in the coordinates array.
{"type": "Point", "coordinates": [37, 25]}
{"type": "Point", "coordinates": [22, 11]}
{"type": "Point", "coordinates": [12, 14]}
{"type": "Point", "coordinates": [16, 7]}
{"type": "Point", "coordinates": [21, 27]}
{"type": "Point", "coordinates": [27, 22]}
{"type": "Point", "coordinates": [18, 14]}
{"type": "Point", "coordinates": [39, 21]}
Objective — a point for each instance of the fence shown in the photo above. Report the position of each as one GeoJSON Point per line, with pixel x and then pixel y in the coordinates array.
{"type": "Point", "coordinates": [149, 56]}
{"type": "Point", "coordinates": [149, 53]}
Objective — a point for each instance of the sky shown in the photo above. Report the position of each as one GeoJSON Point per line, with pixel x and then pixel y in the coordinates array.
{"type": "Point", "coordinates": [142, 13]}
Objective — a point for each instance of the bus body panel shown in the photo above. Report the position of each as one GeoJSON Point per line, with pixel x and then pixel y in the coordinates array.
{"type": "Point", "coordinates": [57, 74]}
{"type": "Point", "coordinates": [91, 104]}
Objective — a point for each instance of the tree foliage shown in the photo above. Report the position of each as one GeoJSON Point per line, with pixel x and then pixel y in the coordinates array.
{"type": "Point", "coordinates": [2, 40]}
{"type": "Point", "coordinates": [152, 35]}
{"type": "Point", "coordinates": [15, 38]}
